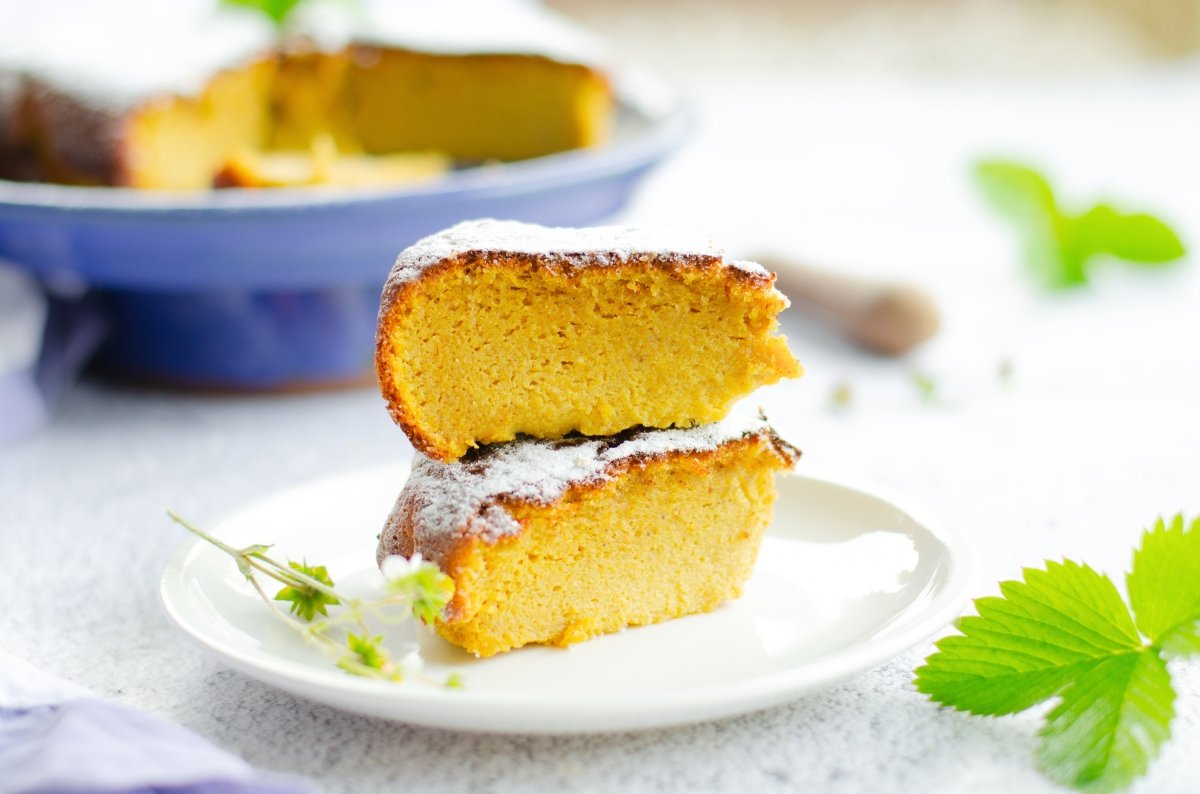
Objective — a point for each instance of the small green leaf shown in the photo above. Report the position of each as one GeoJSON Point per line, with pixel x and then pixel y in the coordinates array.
{"type": "Point", "coordinates": [1138, 237]}
{"type": "Point", "coordinates": [369, 658]}
{"type": "Point", "coordinates": [1060, 257]}
{"type": "Point", "coordinates": [242, 560]}
{"type": "Point", "coordinates": [1025, 647]}
{"type": "Point", "coordinates": [422, 583]}
{"type": "Point", "coordinates": [308, 601]}
{"type": "Point", "coordinates": [1110, 724]}
{"type": "Point", "coordinates": [366, 650]}
{"type": "Point", "coordinates": [1025, 198]}
{"type": "Point", "coordinates": [1059, 245]}
{"type": "Point", "coordinates": [1164, 586]}
{"type": "Point", "coordinates": [1016, 191]}
{"type": "Point", "coordinates": [275, 10]}
{"type": "Point", "coordinates": [454, 680]}
{"type": "Point", "coordinates": [926, 385]}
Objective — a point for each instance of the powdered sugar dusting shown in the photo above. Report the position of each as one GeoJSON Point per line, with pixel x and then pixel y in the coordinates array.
{"type": "Point", "coordinates": [753, 268]}
{"type": "Point", "coordinates": [599, 245]}
{"type": "Point", "coordinates": [445, 500]}
{"type": "Point", "coordinates": [114, 55]}
{"type": "Point", "coordinates": [452, 27]}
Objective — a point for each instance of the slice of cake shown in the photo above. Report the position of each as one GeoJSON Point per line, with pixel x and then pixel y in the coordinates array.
{"type": "Point", "coordinates": [492, 329]}
{"type": "Point", "coordinates": [559, 541]}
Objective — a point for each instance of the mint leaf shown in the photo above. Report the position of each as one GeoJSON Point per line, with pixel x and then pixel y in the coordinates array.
{"type": "Point", "coordinates": [1062, 260]}
{"type": "Point", "coordinates": [1015, 190]}
{"type": "Point", "coordinates": [1025, 198]}
{"type": "Point", "coordinates": [1139, 238]}
{"type": "Point", "coordinates": [1164, 586]}
{"type": "Point", "coordinates": [1060, 245]}
{"type": "Point", "coordinates": [1025, 647]}
{"type": "Point", "coordinates": [1110, 724]}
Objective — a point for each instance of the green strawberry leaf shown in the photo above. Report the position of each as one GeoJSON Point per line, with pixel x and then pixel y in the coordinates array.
{"type": "Point", "coordinates": [1066, 632]}
{"type": "Point", "coordinates": [1110, 724]}
{"type": "Point", "coordinates": [1164, 586]}
{"type": "Point", "coordinates": [1026, 646]}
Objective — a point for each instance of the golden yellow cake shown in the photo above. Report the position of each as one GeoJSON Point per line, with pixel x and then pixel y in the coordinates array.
{"type": "Point", "coordinates": [559, 541]}
{"type": "Point", "coordinates": [176, 99]}
{"type": "Point", "coordinates": [492, 329]}
{"type": "Point", "coordinates": [323, 164]}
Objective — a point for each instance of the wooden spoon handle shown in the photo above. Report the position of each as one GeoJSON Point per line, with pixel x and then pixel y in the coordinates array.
{"type": "Point", "coordinates": [882, 317]}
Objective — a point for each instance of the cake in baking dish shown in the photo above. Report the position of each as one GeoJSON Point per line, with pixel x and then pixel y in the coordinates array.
{"type": "Point", "coordinates": [323, 164]}
{"type": "Point", "coordinates": [492, 329]}
{"type": "Point", "coordinates": [559, 541]}
{"type": "Point", "coordinates": [198, 96]}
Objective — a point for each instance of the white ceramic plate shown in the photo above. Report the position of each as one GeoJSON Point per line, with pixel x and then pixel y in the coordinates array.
{"type": "Point", "coordinates": [848, 577]}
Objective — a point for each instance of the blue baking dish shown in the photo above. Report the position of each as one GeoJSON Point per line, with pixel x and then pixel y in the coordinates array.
{"type": "Point", "coordinates": [278, 289]}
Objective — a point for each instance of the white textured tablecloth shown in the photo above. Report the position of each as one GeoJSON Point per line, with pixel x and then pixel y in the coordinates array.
{"type": "Point", "coordinates": [1098, 432]}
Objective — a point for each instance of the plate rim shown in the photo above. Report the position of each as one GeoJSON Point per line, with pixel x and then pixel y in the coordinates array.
{"type": "Point", "coordinates": [600, 715]}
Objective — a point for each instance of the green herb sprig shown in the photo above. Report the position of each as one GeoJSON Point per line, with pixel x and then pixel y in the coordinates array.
{"type": "Point", "coordinates": [1060, 245]}
{"type": "Point", "coordinates": [281, 12]}
{"type": "Point", "coordinates": [411, 587]}
{"type": "Point", "coordinates": [1064, 631]}
{"type": "Point", "coordinates": [278, 11]}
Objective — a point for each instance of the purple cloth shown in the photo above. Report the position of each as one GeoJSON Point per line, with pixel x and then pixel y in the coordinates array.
{"type": "Point", "coordinates": [56, 738]}
{"type": "Point", "coordinates": [22, 405]}
{"type": "Point", "coordinates": [45, 341]}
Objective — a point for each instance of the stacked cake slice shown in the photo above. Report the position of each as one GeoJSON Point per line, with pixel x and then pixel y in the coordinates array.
{"type": "Point", "coordinates": [567, 391]}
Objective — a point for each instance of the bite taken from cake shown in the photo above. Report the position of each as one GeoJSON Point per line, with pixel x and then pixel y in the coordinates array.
{"type": "Point", "coordinates": [556, 542]}
{"type": "Point", "coordinates": [492, 330]}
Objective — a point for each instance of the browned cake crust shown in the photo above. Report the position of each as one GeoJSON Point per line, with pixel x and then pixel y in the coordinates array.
{"type": "Point", "coordinates": [14, 134]}
{"type": "Point", "coordinates": [57, 137]}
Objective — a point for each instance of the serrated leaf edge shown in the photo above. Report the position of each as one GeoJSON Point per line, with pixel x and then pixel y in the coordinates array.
{"type": "Point", "coordinates": [1099, 782]}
